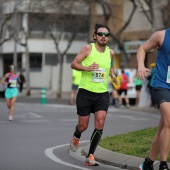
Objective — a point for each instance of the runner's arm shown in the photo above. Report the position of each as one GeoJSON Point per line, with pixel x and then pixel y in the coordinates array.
{"type": "Point", "coordinates": [3, 81]}
{"type": "Point", "coordinates": [112, 72]}
{"type": "Point", "coordinates": [84, 52]}
{"type": "Point", "coordinates": [154, 41]}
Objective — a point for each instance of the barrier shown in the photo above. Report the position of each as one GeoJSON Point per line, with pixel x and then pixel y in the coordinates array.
{"type": "Point", "coordinates": [43, 95]}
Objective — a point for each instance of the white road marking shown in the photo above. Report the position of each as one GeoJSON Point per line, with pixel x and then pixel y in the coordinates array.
{"type": "Point", "coordinates": [49, 154]}
{"type": "Point", "coordinates": [5, 122]}
{"type": "Point", "coordinates": [29, 115]}
{"type": "Point", "coordinates": [116, 117]}
{"type": "Point", "coordinates": [34, 121]}
{"type": "Point", "coordinates": [50, 105]}
{"type": "Point", "coordinates": [68, 120]}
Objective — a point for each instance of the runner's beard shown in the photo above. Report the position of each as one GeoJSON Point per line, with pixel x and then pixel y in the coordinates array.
{"type": "Point", "coordinates": [102, 45]}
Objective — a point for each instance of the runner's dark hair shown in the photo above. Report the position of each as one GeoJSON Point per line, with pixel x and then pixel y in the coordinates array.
{"type": "Point", "coordinates": [97, 26]}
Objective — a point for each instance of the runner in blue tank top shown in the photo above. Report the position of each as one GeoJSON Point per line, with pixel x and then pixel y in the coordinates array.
{"type": "Point", "coordinates": [161, 94]}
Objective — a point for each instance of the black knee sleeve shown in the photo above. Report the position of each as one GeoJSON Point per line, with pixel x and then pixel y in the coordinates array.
{"type": "Point", "coordinates": [95, 138]}
{"type": "Point", "coordinates": [77, 133]}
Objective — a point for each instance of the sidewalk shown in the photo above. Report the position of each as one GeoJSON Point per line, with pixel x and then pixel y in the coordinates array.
{"type": "Point", "coordinates": [117, 159]}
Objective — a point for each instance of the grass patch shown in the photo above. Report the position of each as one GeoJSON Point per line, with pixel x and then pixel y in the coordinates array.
{"type": "Point", "coordinates": [135, 143]}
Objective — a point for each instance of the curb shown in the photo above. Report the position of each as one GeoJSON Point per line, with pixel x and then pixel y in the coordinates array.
{"type": "Point", "coordinates": [117, 159]}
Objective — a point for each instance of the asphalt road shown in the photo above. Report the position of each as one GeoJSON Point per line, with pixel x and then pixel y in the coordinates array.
{"type": "Point", "coordinates": [39, 136]}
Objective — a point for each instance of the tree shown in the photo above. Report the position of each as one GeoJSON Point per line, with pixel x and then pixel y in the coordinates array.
{"type": "Point", "coordinates": [68, 25]}
{"type": "Point", "coordinates": [75, 23]}
{"type": "Point", "coordinates": [22, 34]}
{"type": "Point", "coordinates": [108, 8]}
{"type": "Point", "coordinates": [118, 39]}
{"type": "Point", "coordinates": [23, 41]}
{"type": "Point", "coordinates": [4, 19]}
{"type": "Point", "coordinates": [157, 13]}
{"type": "Point", "coordinates": [166, 14]}
{"type": "Point", "coordinates": [153, 8]}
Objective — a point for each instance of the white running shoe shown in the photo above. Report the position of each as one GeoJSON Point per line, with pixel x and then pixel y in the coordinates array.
{"type": "Point", "coordinates": [90, 161]}
{"type": "Point", "coordinates": [10, 118]}
{"type": "Point", "coordinates": [74, 144]}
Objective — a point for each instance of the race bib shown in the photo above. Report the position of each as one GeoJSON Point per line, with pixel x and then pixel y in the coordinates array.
{"type": "Point", "coordinates": [13, 83]}
{"type": "Point", "coordinates": [168, 75]}
{"type": "Point", "coordinates": [98, 75]}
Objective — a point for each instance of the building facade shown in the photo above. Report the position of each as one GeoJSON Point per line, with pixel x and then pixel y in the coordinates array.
{"type": "Point", "coordinates": [32, 23]}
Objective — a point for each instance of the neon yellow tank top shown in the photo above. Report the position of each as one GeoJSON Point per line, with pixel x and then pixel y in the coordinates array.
{"type": "Point", "coordinates": [76, 77]}
{"type": "Point", "coordinates": [96, 81]}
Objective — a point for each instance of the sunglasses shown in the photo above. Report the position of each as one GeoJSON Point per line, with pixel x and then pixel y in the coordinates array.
{"type": "Point", "coordinates": [103, 34]}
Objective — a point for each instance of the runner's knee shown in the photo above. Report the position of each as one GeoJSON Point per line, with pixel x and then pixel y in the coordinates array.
{"type": "Point", "coordinates": [82, 127]}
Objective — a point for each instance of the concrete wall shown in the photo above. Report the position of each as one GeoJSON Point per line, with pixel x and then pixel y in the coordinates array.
{"type": "Point", "coordinates": [43, 46]}
{"type": "Point", "coordinates": [49, 75]}
{"type": "Point", "coordinates": [1, 67]}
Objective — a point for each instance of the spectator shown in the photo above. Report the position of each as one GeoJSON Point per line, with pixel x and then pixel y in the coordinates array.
{"type": "Point", "coordinates": [76, 76]}
{"type": "Point", "coordinates": [138, 86]}
{"type": "Point", "coordinates": [124, 80]}
{"type": "Point", "coordinates": [150, 84]}
{"type": "Point", "coordinates": [114, 92]}
{"type": "Point", "coordinates": [22, 81]}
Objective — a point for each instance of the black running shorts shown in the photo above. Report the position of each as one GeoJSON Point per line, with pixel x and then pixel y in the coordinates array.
{"type": "Point", "coordinates": [89, 102]}
{"type": "Point", "coordinates": [138, 87]}
{"type": "Point", "coordinates": [74, 87]}
{"type": "Point", "coordinates": [122, 91]}
{"type": "Point", "coordinates": [160, 95]}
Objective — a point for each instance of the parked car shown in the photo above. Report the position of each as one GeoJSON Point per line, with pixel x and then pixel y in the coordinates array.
{"type": "Point", "coordinates": [2, 90]}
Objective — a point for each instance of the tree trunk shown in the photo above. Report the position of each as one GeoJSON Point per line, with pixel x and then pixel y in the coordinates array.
{"type": "Point", "coordinates": [59, 91]}
{"type": "Point", "coordinates": [28, 92]}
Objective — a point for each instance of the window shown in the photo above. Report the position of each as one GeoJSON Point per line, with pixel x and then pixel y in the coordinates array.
{"type": "Point", "coordinates": [35, 61]}
{"type": "Point", "coordinates": [19, 61]}
{"type": "Point", "coordinates": [58, 23]}
{"type": "Point", "coordinates": [8, 60]}
{"type": "Point", "coordinates": [70, 58]}
{"type": "Point", "coordinates": [37, 22]}
{"type": "Point", "coordinates": [51, 59]}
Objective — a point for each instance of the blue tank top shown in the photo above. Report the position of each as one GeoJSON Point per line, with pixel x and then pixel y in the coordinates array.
{"type": "Point", "coordinates": [162, 63]}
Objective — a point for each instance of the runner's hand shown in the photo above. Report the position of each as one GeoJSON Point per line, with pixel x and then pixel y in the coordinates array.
{"type": "Point", "coordinates": [114, 79]}
{"type": "Point", "coordinates": [94, 66]}
{"type": "Point", "coordinates": [143, 73]}
{"type": "Point", "coordinates": [9, 84]}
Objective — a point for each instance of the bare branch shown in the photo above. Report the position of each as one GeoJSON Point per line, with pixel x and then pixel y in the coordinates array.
{"type": "Point", "coordinates": [129, 19]}
{"type": "Point", "coordinates": [145, 12]}
{"type": "Point", "coordinates": [106, 9]}
{"type": "Point", "coordinates": [5, 20]}
{"type": "Point", "coordinates": [69, 42]}
{"type": "Point", "coordinates": [6, 39]}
